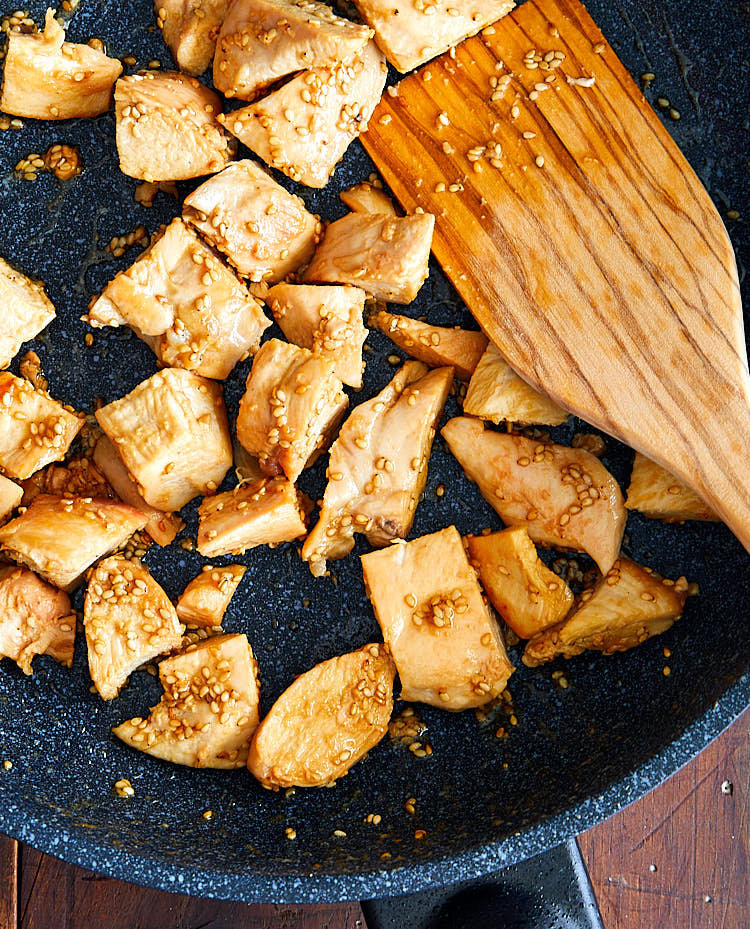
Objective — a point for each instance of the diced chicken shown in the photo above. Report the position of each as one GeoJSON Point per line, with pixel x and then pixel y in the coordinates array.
{"type": "Point", "coordinates": [205, 600]}
{"type": "Point", "coordinates": [326, 320]}
{"type": "Point", "coordinates": [167, 128]}
{"type": "Point", "coordinates": [446, 643]}
{"type": "Point", "coordinates": [436, 346]}
{"type": "Point", "coordinates": [209, 710]}
{"type": "Point", "coordinates": [367, 198]}
{"type": "Point", "coordinates": [10, 497]}
{"type": "Point", "coordinates": [378, 465]}
{"type": "Point", "coordinates": [658, 494]}
{"type": "Point", "coordinates": [304, 127]}
{"type": "Point", "coordinates": [78, 477]}
{"type": "Point", "coordinates": [172, 435]}
{"type": "Point", "coordinates": [60, 537]}
{"type": "Point", "coordinates": [34, 429]}
{"type": "Point", "coordinates": [48, 78]}
{"type": "Point", "coordinates": [26, 310]}
{"type": "Point", "coordinates": [627, 606]}
{"type": "Point", "coordinates": [190, 29]}
{"type": "Point", "coordinates": [264, 231]}
{"type": "Point", "coordinates": [385, 255]}
{"type": "Point", "coordinates": [528, 596]}
{"type": "Point", "coordinates": [35, 619]}
{"type": "Point", "coordinates": [263, 40]}
{"type": "Point", "coordinates": [411, 32]}
{"type": "Point", "coordinates": [498, 394]}
{"type": "Point", "coordinates": [186, 304]}
{"type": "Point", "coordinates": [325, 721]}
{"type": "Point", "coordinates": [565, 497]}
{"type": "Point", "coordinates": [264, 512]}
{"type": "Point", "coordinates": [292, 404]}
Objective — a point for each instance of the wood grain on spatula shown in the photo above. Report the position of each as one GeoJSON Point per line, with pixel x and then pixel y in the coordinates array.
{"type": "Point", "coordinates": [585, 246]}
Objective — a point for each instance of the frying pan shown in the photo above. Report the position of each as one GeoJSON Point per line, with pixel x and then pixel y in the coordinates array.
{"type": "Point", "coordinates": [575, 755]}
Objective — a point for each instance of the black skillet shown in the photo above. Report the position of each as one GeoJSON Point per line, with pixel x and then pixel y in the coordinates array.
{"type": "Point", "coordinates": [574, 757]}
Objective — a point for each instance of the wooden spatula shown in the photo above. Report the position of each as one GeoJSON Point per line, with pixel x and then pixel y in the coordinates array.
{"type": "Point", "coordinates": [581, 239]}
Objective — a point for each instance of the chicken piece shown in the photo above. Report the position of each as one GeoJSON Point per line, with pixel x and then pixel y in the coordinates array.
{"type": "Point", "coordinates": [167, 128]}
{"type": "Point", "coordinates": [190, 29]}
{"type": "Point", "coordinates": [265, 232]}
{"type": "Point", "coordinates": [305, 127]}
{"type": "Point", "coordinates": [436, 346]}
{"type": "Point", "coordinates": [78, 477]}
{"type": "Point", "coordinates": [26, 310]}
{"type": "Point", "coordinates": [565, 497]}
{"type": "Point", "coordinates": [528, 596]}
{"type": "Point", "coordinates": [263, 40]}
{"type": "Point", "coordinates": [34, 429]}
{"type": "Point", "coordinates": [172, 435]}
{"type": "Point", "coordinates": [378, 465]}
{"type": "Point", "coordinates": [48, 78]}
{"type": "Point", "coordinates": [446, 643]}
{"type": "Point", "coordinates": [204, 601]}
{"type": "Point", "coordinates": [411, 32]}
{"type": "Point", "coordinates": [264, 512]}
{"type": "Point", "coordinates": [497, 393]}
{"type": "Point", "coordinates": [60, 537]}
{"type": "Point", "coordinates": [627, 606]}
{"type": "Point", "coordinates": [326, 320]}
{"type": "Point", "coordinates": [367, 198]}
{"type": "Point", "coordinates": [292, 404]}
{"type": "Point", "coordinates": [658, 494]}
{"type": "Point", "coordinates": [186, 304]}
{"type": "Point", "coordinates": [193, 724]}
{"type": "Point", "coordinates": [10, 497]}
{"type": "Point", "coordinates": [325, 721]}
{"type": "Point", "coordinates": [385, 255]}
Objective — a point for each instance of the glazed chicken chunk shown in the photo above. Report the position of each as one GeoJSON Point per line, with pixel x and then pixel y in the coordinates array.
{"type": "Point", "coordinates": [10, 497]}
{"type": "Point", "coordinates": [378, 465]}
{"type": "Point", "coordinates": [385, 255]}
{"type": "Point", "coordinates": [172, 435]}
{"type": "Point", "coordinates": [325, 721]}
{"type": "Point", "coordinates": [658, 494]}
{"type": "Point", "coordinates": [48, 78]}
{"type": "Point", "coordinates": [367, 198]}
{"type": "Point", "coordinates": [446, 643]}
{"type": "Point", "coordinates": [26, 310]}
{"type": "Point", "coordinates": [190, 29]}
{"type": "Point", "coordinates": [209, 710]}
{"type": "Point", "coordinates": [204, 601]}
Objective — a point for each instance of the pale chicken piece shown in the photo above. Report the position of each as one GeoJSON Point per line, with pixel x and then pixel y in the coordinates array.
{"type": "Point", "coordinates": [167, 128]}
{"type": "Point", "coordinates": [305, 127]}
{"type": "Point", "coordinates": [325, 319]}
{"type": "Point", "coordinates": [26, 310]}
{"type": "Point", "coordinates": [204, 601]}
{"type": "Point", "coordinates": [523, 590]}
{"type": "Point", "coordinates": [325, 721]}
{"type": "Point", "coordinates": [385, 255]}
{"type": "Point", "coordinates": [60, 537]}
{"type": "Point", "coordinates": [264, 512]}
{"type": "Point", "coordinates": [190, 29]}
{"type": "Point", "coordinates": [378, 465]}
{"type": "Point", "coordinates": [263, 40]}
{"type": "Point", "coordinates": [10, 497]}
{"type": "Point", "coordinates": [565, 497]}
{"type": "Point", "coordinates": [627, 606]}
{"type": "Point", "coordinates": [292, 404]}
{"type": "Point", "coordinates": [35, 430]}
{"type": "Point", "coordinates": [128, 619]}
{"type": "Point", "coordinates": [367, 198]}
{"type": "Point", "coordinates": [658, 494]}
{"type": "Point", "coordinates": [498, 394]}
{"type": "Point", "coordinates": [172, 434]}
{"type": "Point", "coordinates": [48, 78]}
{"type": "Point", "coordinates": [446, 643]}
{"type": "Point", "coordinates": [35, 619]}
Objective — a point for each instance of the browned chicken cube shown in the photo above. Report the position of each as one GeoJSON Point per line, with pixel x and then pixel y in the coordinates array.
{"type": "Point", "coordinates": [523, 590]}
{"type": "Point", "coordinates": [367, 198]}
{"type": "Point", "coordinates": [378, 465]}
{"type": "Point", "coordinates": [658, 494]}
{"type": "Point", "coordinates": [385, 255]}
{"type": "Point", "coordinates": [49, 78]}
{"type": "Point", "coordinates": [190, 29]}
{"type": "Point", "coordinates": [209, 710]}
{"type": "Point", "coordinates": [172, 435]}
{"type": "Point", "coordinates": [263, 40]}
{"type": "Point", "coordinates": [304, 127]}
{"type": "Point", "coordinates": [26, 310]}
{"type": "Point", "coordinates": [35, 619]}
{"type": "Point", "coordinates": [446, 643]}
{"type": "Point", "coordinates": [60, 537]}
{"type": "Point", "coordinates": [292, 404]}
{"type": "Point", "coordinates": [78, 477]}
{"type": "Point", "coordinates": [204, 601]}
{"type": "Point", "coordinates": [10, 497]}
{"type": "Point", "coordinates": [35, 430]}
{"type": "Point", "coordinates": [627, 606]}
{"type": "Point", "coordinates": [327, 320]}
{"type": "Point", "coordinates": [264, 231]}
{"type": "Point", "coordinates": [325, 721]}
{"type": "Point", "coordinates": [167, 128]}
{"type": "Point", "coordinates": [186, 304]}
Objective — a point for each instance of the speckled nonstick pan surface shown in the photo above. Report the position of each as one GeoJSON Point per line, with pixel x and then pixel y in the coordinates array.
{"type": "Point", "coordinates": [574, 757]}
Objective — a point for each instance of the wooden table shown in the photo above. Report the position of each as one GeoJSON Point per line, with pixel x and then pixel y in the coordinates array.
{"type": "Point", "coordinates": [677, 859]}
